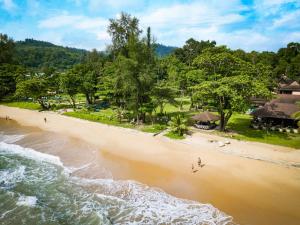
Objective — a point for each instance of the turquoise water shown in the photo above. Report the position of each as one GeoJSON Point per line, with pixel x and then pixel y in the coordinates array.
{"type": "Point", "coordinates": [36, 188]}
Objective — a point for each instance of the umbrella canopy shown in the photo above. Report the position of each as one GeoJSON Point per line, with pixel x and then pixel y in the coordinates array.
{"type": "Point", "coordinates": [205, 117]}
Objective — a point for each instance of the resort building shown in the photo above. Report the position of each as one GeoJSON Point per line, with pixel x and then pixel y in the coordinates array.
{"type": "Point", "coordinates": [278, 113]}
{"type": "Point", "coordinates": [289, 87]}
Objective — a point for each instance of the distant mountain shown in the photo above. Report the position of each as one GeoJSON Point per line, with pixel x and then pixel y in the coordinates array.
{"type": "Point", "coordinates": [38, 54]}
{"type": "Point", "coordinates": [163, 50]}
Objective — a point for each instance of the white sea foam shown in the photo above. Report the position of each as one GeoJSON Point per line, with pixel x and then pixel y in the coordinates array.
{"type": "Point", "coordinates": [140, 204]}
{"type": "Point", "coordinates": [29, 153]}
{"type": "Point", "coordinates": [10, 177]}
{"type": "Point", "coordinates": [29, 201]}
{"type": "Point", "coordinates": [128, 202]}
{"type": "Point", "coordinates": [9, 139]}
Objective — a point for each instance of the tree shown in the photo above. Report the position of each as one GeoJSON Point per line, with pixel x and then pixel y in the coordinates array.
{"type": "Point", "coordinates": [134, 64]}
{"type": "Point", "coordinates": [7, 46]}
{"type": "Point", "coordinates": [297, 117]}
{"type": "Point", "coordinates": [229, 84]}
{"type": "Point", "coordinates": [70, 84]}
{"type": "Point", "coordinates": [122, 30]}
{"type": "Point", "coordinates": [9, 75]}
{"type": "Point", "coordinates": [178, 125]}
{"type": "Point", "coordinates": [192, 49]}
{"type": "Point", "coordinates": [163, 94]}
{"type": "Point", "coordinates": [35, 87]}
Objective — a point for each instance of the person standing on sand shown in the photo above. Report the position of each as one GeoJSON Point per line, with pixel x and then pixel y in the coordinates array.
{"type": "Point", "coordinates": [45, 119]}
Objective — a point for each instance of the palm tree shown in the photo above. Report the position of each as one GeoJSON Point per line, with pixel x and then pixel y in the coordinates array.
{"type": "Point", "coordinates": [178, 125]}
{"type": "Point", "coordinates": [297, 117]}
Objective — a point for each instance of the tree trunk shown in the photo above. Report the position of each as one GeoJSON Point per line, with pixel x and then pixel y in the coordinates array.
{"type": "Point", "coordinates": [222, 121]}
{"type": "Point", "coordinates": [73, 102]}
{"type": "Point", "coordinates": [42, 103]}
{"type": "Point", "coordinates": [161, 108]}
{"type": "Point", "coordinates": [88, 99]}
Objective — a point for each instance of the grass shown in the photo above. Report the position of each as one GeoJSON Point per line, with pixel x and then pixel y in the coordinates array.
{"type": "Point", "coordinates": [156, 128]}
{"type": "Point", "coordinates": [239, 124]}
{"type": "Point", "coordinates": [104, 116]}
{"type": "Point", "coordinates": [173, 135]}
{"type": "Point", "coordinates": [23, 105]}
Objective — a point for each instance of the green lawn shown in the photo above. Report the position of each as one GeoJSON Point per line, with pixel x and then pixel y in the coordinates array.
{"type": "Point", "coordinates": [239, 124]}
{"type": "Point", "coordinates": [155, 128]}
{"type": "Point", "coordinates": [23, 105]}
{"type": "Point", "coordinates": [104, 116]}
{"type": "Point", "coordinates": [173, 135]}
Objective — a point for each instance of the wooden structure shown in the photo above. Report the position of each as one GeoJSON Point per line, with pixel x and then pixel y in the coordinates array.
{"type": "Point", "coordinates": [205, 120]}
{"type": "Point", "coordinates": [278, 112]}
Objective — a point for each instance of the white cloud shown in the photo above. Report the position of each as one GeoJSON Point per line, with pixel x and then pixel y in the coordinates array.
{"type": "Point", "coordinates": [8, 5]}
{"type": "Point", "coordinates": [192, 14]}
{"type": "Point", "coordinates": [173, 24]}
{"type": "Point", "coordinates": [77, 30]}
{"type": "Point", "coordinates": [288, 20]}
{"type": "Point", "coordinates": [65, 20]}
{"type": "Point", "coordinates": [201, 20]}
{"type": "Point", "coordinates": [95, 5]}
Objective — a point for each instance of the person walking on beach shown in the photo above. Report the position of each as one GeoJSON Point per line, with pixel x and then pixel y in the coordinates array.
{"type": "Point", "coordinates": [45, 119]}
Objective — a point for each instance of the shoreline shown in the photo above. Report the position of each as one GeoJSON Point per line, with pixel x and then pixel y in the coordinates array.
{"type": "Point", "coordinates": [228, 181]}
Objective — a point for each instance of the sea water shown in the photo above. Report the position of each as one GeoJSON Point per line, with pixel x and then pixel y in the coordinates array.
{"type": "Point", "coordinates": [36, 188]}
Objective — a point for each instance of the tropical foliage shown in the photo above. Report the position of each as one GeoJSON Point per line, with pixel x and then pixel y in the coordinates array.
{"type": "Point", "coordinates": [138, 81]}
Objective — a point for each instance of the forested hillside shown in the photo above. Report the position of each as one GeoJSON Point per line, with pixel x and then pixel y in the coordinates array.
{"type": "Point", "coordinates": [163, 50]}
{"type": "Point", "coordinates": [39, 54]}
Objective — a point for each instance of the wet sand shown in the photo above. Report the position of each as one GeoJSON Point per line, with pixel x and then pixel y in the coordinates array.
{"type": "Point", "coordinates": [252, 191]}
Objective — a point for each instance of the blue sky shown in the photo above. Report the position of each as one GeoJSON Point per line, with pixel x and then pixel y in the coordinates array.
{"type": "Point", "coordinates": [246, 24]}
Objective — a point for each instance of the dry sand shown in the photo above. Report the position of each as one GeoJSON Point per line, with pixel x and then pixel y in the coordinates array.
{"type": "Point", "coordinates": [264, 191]}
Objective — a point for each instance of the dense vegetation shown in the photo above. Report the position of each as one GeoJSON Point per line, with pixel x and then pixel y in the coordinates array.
{"type": "Point", "coordinates": [40, 54]}
{"type": "Point", "coordinates": [130, 85]}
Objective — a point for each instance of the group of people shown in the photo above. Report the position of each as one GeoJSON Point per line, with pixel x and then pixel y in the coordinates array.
{"type": "Point", "coordinates": [200, 165]}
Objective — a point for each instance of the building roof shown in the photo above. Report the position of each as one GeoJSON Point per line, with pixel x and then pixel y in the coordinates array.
{"type": "Point", "coordinates": [285, 98]}
{"type": "Point", "coordinates": [205, 117]}
{"type": "Point", "coordinates": [291, 86]}
{"type": "Point", "coordinates": [282, 107]}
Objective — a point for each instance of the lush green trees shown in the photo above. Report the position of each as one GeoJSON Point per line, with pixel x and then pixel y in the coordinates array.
{"type": "Point", "coordinates": [178, 125]}
{"type": "Point", "coordinates": [38, 54]}
{"type": "Point", "coordinates": [9, 75]}
{"type": "Point", "coordinates": [70, 84]}
{"type": "Point", "coordinates": [134, 80]}
{"type": "Point", "coordinates": [192, 49]}
{"type": "Point", "coordinates": [134, 64]}
{"type": "Point", "coordinates": [35, 87]}
{"type": "Point", "coordinates": [229, 84]}
{"type": "Point", "coordinates": [162, 94]}
{"type": "Point", "coordinates": [7, 47]}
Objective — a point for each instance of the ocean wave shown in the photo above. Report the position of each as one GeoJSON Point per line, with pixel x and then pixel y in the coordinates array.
{"type": "Point", "coordinates": [28, 153]}
{"type": "Point", "coordinates": [12, 138]}
{"type": "Point", "coordinates": [107, 200]}
{"type": "Point", "coordinates": [29, 201]}
{"type": "Point", "coordinates": [142, 204]}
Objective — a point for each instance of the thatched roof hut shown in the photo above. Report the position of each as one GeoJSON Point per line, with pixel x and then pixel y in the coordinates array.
{"type": "Point", "coordinates": [283, 107]}
{"type": "Point", "coordinates": [205, 117]}
{"type": "Point", "coordinates": [292, 87]}
{"type": "Point", "coordinates": [276, 110]}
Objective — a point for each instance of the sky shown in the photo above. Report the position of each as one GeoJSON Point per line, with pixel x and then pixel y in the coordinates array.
{"type": "Point", "coordinates": [261, 25]}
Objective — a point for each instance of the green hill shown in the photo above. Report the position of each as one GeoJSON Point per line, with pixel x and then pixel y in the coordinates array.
{"type": "Point", "coordinates": [38, 54]}
{"type": "Point", "coordinates": [163, 50]}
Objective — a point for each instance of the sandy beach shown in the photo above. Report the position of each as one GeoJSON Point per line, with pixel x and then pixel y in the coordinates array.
{"type": "Point", "coordinates": [253, 182]}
